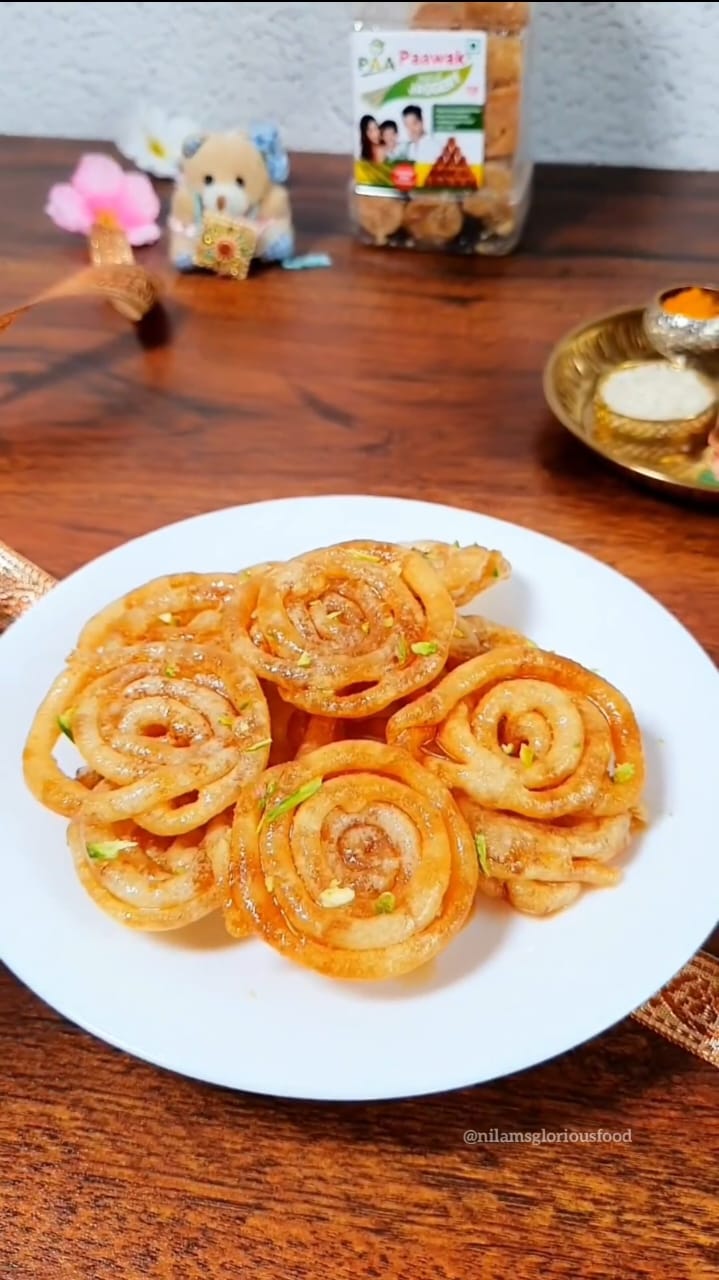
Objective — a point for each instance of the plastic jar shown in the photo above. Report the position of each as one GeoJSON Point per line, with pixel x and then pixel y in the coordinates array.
{"type": "Point", "coordinates": [441, 160]}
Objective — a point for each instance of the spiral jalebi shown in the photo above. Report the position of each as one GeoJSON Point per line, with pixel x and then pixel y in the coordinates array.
{"type": "Point", "coordinates": [347, 630]}
{"type": "Point", "coordinates": [176, 729]}
{"type": "Point", "coordinates": [353, 861]}
{"type": "Point", "coordinates": [529, 732]}
{"type": "Point", "coordinates": [150, 882]}
{"type": "Point", "coordinates": [186, 606]}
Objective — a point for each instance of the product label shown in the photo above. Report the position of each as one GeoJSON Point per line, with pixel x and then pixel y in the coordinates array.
{"type": "Point", "coordinates": [419, 99]}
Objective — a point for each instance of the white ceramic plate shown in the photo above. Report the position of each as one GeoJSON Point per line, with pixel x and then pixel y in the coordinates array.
{"type": "Point", "coordinates": [510, 991]}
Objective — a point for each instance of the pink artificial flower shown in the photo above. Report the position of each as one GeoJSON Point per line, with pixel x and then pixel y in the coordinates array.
{"type": "Point", "coordinates": [101, 193]}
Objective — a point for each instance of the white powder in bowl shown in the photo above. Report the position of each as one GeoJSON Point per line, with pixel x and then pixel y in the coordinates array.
{"type": "Point", "coordinates": [657, 392]}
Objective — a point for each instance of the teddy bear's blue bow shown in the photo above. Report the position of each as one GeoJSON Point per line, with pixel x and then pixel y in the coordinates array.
{"type": "Point", "coordinates": [266, 138]}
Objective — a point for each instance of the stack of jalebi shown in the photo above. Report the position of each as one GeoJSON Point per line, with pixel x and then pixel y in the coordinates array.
{"type": "Point", "coordinates": [328, 753]}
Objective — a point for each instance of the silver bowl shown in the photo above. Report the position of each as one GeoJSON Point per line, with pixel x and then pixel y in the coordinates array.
{"type": "Point", "coordinates": [678, 336]}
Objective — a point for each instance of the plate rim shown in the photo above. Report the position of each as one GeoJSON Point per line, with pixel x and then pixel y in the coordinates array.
{"type": "Point", "coordinates": [138, 539]}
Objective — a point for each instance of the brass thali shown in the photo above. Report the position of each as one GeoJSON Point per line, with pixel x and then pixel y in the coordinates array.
{"type": "Point", "coordinates": [571, 375]}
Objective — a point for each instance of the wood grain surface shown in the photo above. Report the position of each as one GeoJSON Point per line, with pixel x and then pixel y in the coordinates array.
{"type": "Point", "coordinates": [388, 374]}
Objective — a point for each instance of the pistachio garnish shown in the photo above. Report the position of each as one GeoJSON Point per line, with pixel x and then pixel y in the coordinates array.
{"type": "Point", "coordinates": [297, 798]}
{"type": "Point", "coordinates": [480, 844]}
{"type": "Point", "coordinates": [424, 648]}
{"type": "Point", "coordinates": [624, 772]}
{"type": "Point", "coordinates": [385, 904]}
{"type": "Point", "coordinates": [64, 723]}
{"type": "Point", "coordinates": [108, 850]}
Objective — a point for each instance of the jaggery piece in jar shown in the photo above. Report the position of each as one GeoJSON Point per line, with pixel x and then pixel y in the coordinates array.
{"type": "Point", "coordinates": [502, 121]}
{"type": "Point", "coordinates": [438, 17]}
{"type": "Point", "coordinates": [433, 222]}
{"type": "Point", "coordinates": [496, 16]}
{"type": "Point", "coordinates": [505, 56]}
{"type": "Point", "coordinates": [492, 204]}
{"type": "Point", "coordinates": [494, 197]}
{"type": "Point", "coordinates": [379, 217]}
{"type": "Point", "coordinates": [506, 19]}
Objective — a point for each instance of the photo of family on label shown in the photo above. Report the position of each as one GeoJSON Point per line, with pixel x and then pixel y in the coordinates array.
{"type": "Point", "coordinates": [380, 143]}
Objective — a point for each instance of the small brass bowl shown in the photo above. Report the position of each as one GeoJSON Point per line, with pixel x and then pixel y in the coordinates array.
{"type": "Point", "coordinates": [683, 435]}
{"type": "Point", "coordinates": [677, 335]}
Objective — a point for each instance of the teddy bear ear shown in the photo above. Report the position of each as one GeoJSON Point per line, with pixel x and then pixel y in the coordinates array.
{"type": "Point", "coordinates": [192, 145]}
{"type": "Point", "coordinates": [266, 138]}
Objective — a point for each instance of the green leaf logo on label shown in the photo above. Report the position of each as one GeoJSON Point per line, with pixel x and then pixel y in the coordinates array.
{"type": "Point", "coordinates": [426, 84]}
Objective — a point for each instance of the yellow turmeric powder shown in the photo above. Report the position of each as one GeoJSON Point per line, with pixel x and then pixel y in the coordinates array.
{"type": "Point", "coordinates": [695, 304]}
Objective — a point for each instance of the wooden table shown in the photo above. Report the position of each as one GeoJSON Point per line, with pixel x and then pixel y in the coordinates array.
{"type": "Point", "coordinates": [389, 374]}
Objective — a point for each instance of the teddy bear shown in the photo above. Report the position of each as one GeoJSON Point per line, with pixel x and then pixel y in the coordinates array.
{"type": "Point", "coordinates": [228, 205]}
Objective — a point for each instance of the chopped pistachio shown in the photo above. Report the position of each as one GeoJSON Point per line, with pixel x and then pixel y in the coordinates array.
{"type": "Point", "coordinates": [337, 895]}
{"type": "Point", "coordinates": [334, 614]}
{"type": "Point", "coordinates": [495, 572]}
{"type": "Point", "coordinates": [226, 721]}
{"type": "Point", "coordinates": [624, 772]}
{"type": "Point", "coordinates": [363, 555]}
{"type": "Point", "coordinates": [526, 755]}
{"type": "Point", "coordinates": [480, 844]}
{"type": "Point", "coordinates": [304, 660]}
{"type": "Point", "coordinates": [167, 618]}
{"type": "Point", "coordinates": [108, 850]}
{"type": "Point", "coordinates": [364, 628]}
{"type": "Point", "coordinates": [456, 543]}
{"type": "Point", "coordinates": [424, 648]}
{"type": "Point", "coordinates": [64, 723]}
{"type": "Point", "coordinates": [385, 904]}
{"type": "Point", "coordinates": [401, 649]}
{"type": "Point", "coordinates": [267, 794]}
{"type": "Point", "coordinates": [388, 622]}
{"type": "Point", "coordinates": [269, 883]}
{"type": "Point", "coordinates": [171, 672]}
{"type": "Point", "coordinates": [297, 798]}
{"type": "Point", "coordinates": [257, 746]}
{"type": "Point", "coordinates": [244, 705]}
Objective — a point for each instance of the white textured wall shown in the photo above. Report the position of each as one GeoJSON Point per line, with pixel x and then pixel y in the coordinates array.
{"type": "Point", "coordinates": [632, 83]}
